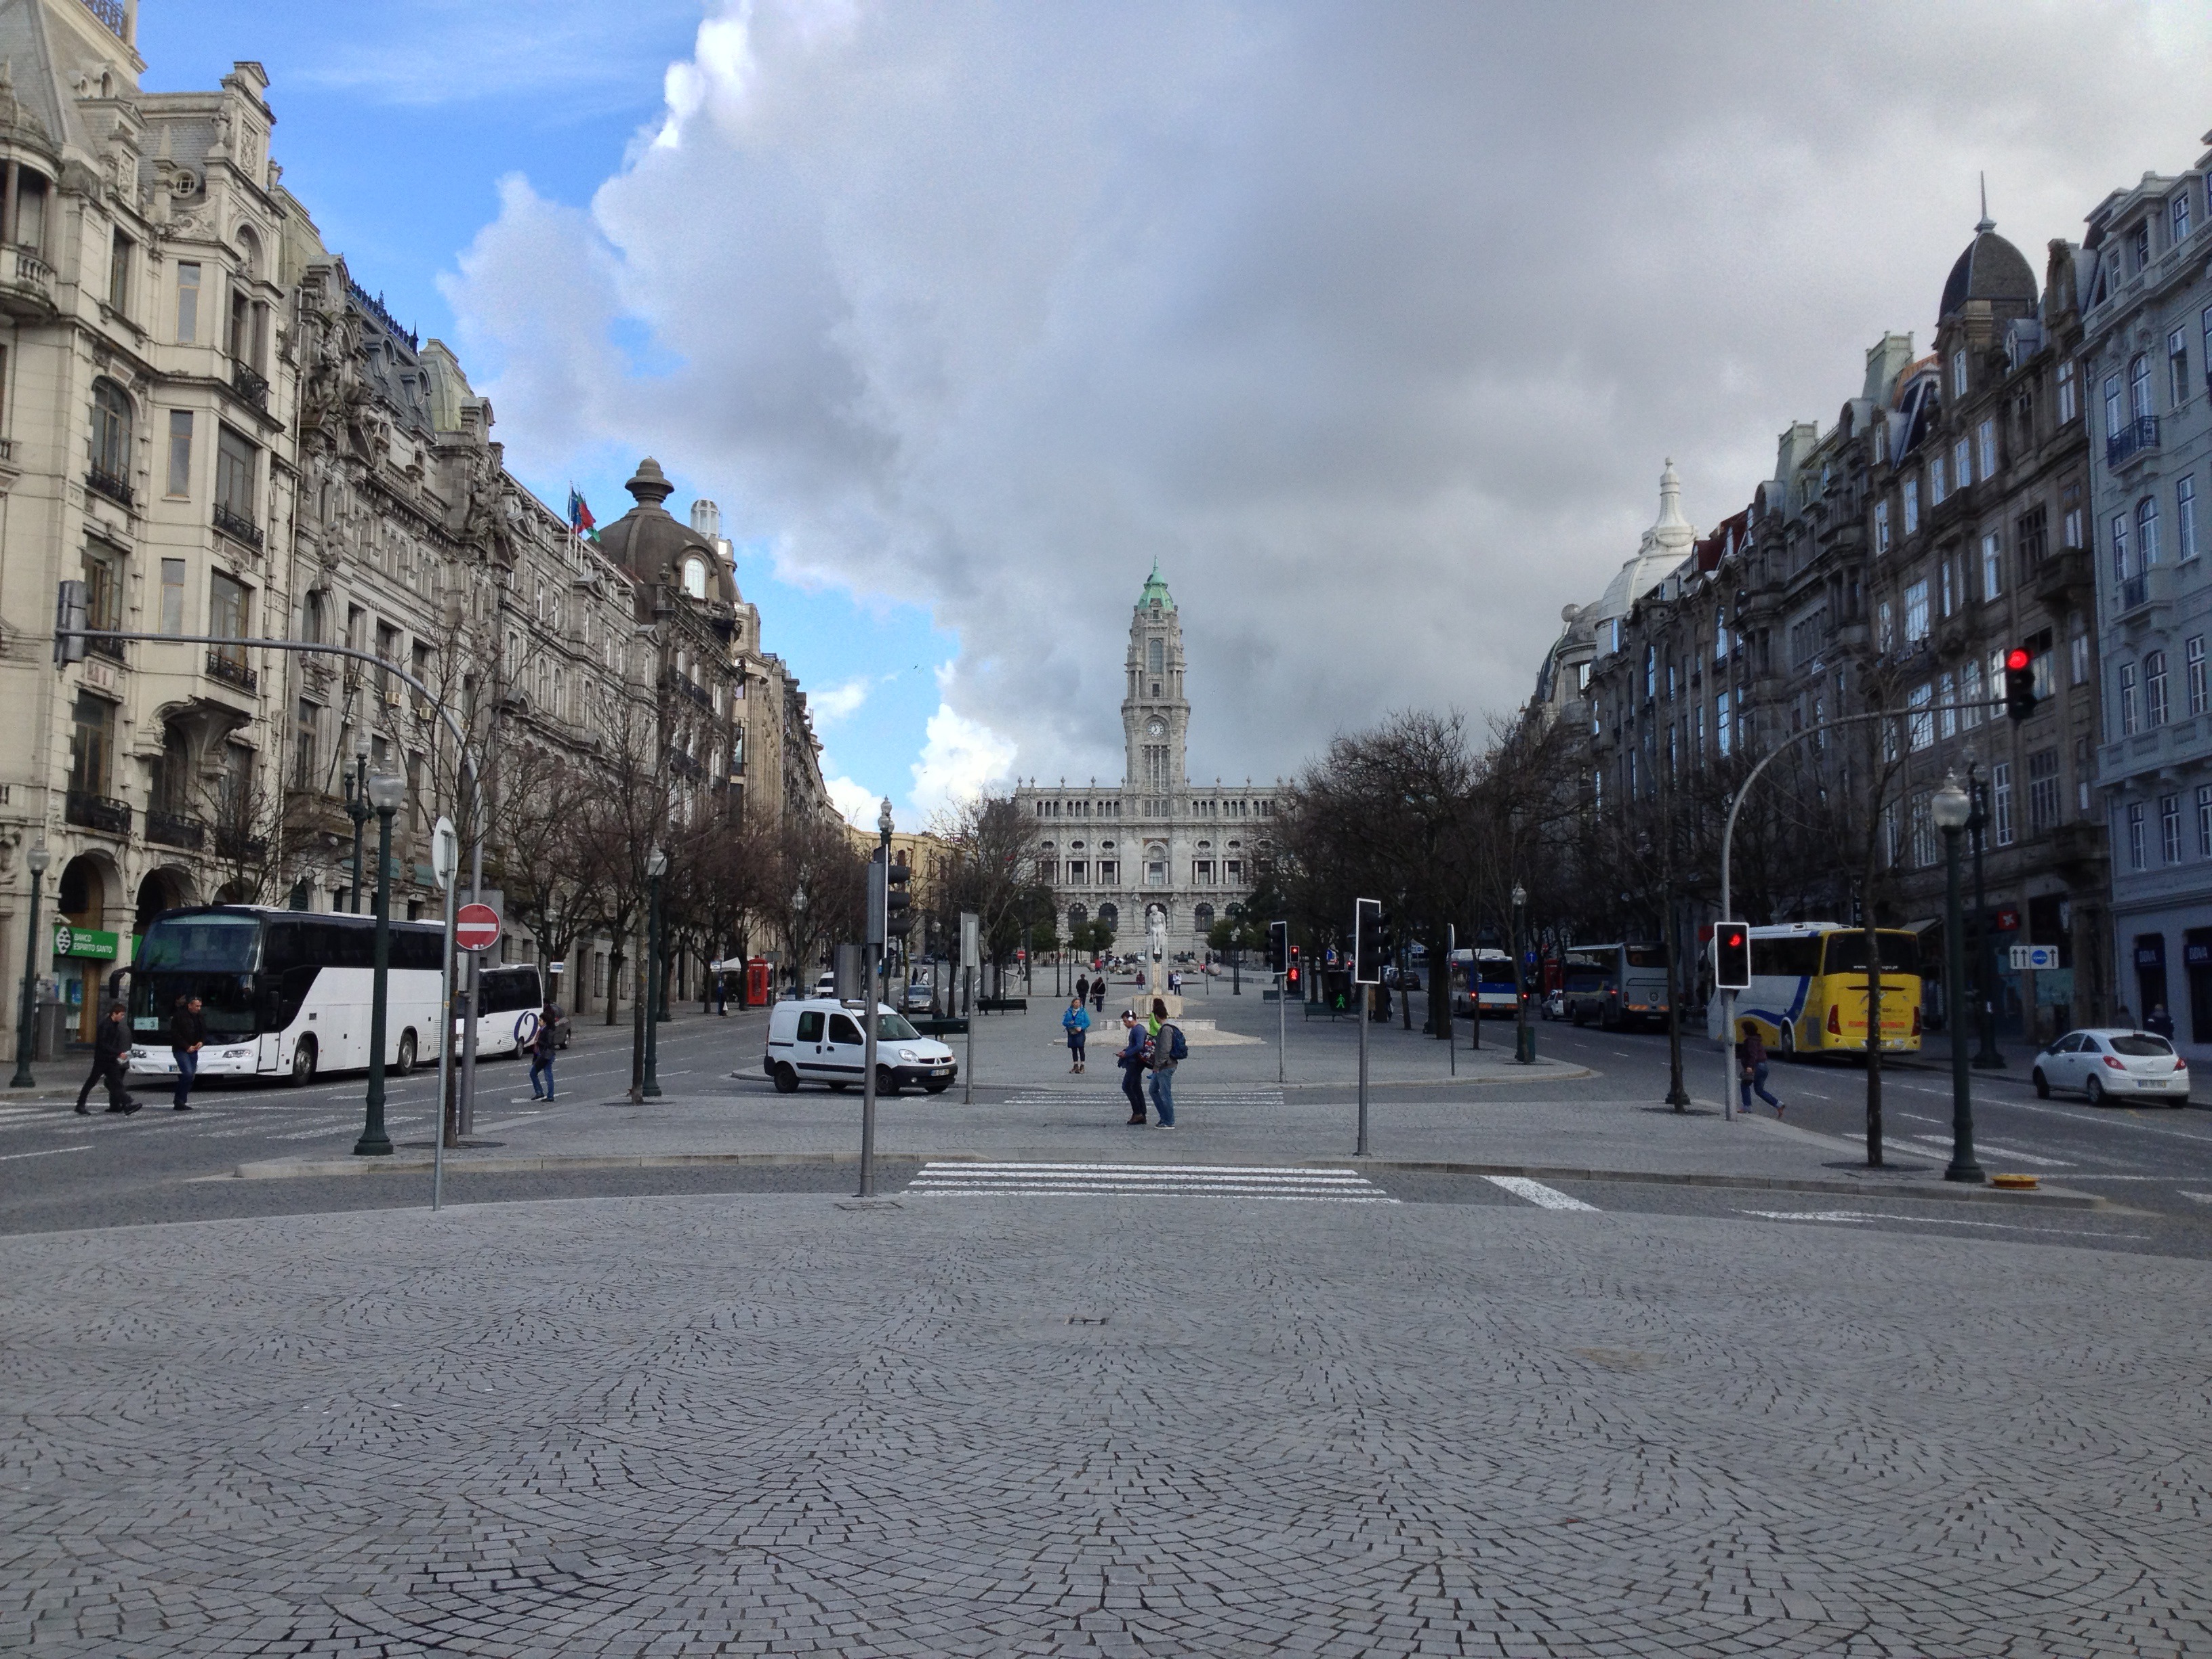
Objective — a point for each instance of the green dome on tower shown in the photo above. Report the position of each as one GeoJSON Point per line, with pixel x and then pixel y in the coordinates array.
{"type": "Point", "coordinates": [1156, 592]}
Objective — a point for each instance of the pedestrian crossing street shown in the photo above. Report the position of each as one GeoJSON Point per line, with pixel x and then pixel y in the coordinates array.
{"type": "Point", "coordinates": [1148, 1181]}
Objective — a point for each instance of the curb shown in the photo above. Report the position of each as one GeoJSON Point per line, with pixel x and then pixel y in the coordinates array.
{"type": "Point", "coordinates": [2049, 1197]}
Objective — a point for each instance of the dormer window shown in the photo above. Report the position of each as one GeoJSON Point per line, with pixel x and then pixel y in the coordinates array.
{"type": "Point", "coordinates": [695, 578]}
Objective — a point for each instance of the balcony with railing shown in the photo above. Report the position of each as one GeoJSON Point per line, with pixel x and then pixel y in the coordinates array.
{"type": "Point", "coordinates": [238, 526]}
{"type": "Point", "coordinates": [2143, 598]}
{"type": "Point", "coordinates": [222, 664]}
{"type": "Point", "coordinates": [113, 14]}
{"type": "Point", "coordinates": [91, 812]}
{"type": "Point", "coordinates": [2065, 578]}
{"type": "Point", "coordinates": [2132, 442]}
{"type": "Point", "coordinates": [108, 484]}
{"type": "Point", "coordinates": [252, 388]}
{"type": "Point", "coordinates": [175, 829]}
{"type": "Point", "coordinates": [27, 284]}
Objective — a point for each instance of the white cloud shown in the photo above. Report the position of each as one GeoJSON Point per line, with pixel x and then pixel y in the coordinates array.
{"type": "Point", "coordinates": [838, 703]}
{"type": "Point", "coordinates": [1373, 324]}
{"type": "Point", "coordinates": [857, 804]}
{"type": "Point", "coordinates": [960, 758]}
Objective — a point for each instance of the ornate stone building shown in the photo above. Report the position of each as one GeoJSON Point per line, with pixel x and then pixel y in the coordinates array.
{"type": "Point", "coordinates": [1158, 839]}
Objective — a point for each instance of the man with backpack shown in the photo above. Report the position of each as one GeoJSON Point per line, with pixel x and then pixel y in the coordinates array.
{"type": "Point", "coordinates": [1167, 1051]}
{"type": "Point", "coordinates": [1136, 1047]}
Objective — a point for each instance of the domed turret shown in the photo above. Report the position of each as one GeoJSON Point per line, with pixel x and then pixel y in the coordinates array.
{"type": "Point", "coordinates": [651, 543]}
{"type": "Point", "coordinates": [1990, 269]}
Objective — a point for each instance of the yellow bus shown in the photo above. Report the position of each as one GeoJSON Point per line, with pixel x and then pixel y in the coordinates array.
{"type": "Point", "coordinates": [1808, 990]}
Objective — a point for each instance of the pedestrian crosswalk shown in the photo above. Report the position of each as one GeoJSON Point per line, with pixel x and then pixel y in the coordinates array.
{"type": "Point", "coordinates": [1942, 1143]}
{"type": "Point", "coordinates": [1270, 1095]}
{"type": "Point", "coordinates": [1148, 1181]}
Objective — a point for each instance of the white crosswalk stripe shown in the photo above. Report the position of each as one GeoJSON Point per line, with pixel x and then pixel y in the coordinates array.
{"type": "Point", "coordinates": [1271, 1097]}
{"type": "Point", "coordinates": [1150, 1179]}
{"type": "Point", "coordinates": [1543, 1197]}
{"type": "Point", "coordinates": [1980, 1145]}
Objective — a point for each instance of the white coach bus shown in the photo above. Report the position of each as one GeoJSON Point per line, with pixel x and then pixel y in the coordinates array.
{"type": "Point", "coordinates": [283, 993]}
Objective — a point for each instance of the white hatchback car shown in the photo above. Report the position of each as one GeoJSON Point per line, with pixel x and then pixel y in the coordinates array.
{"type": "Point", "coordinates": [2114, 1065]}
{"type": "Point", "coordinates": [819, 1040]}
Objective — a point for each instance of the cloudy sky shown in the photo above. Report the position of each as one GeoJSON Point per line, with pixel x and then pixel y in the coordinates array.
{"type": "Point", "coordinates": [1373, 324]}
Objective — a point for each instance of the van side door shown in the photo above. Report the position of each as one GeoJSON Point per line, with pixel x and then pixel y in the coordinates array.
{"type": "Point", "coordinates": [845, 1056]}
{"type": "Point", "coordinates": [807, 1054]}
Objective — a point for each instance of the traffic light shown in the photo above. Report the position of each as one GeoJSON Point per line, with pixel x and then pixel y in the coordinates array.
{"type": "Point", "coordinates": [1278, 947]}
{"type": "Point", "coordinates": [2019, 682]}
{"type": "Point", "coordinates": [1297, 968]}
{"type": "Point", "coordinates": [68, 612]}
{"type": "Point", "coordinates": [898, 903]}
{"type": "Point", "coordinates": [1731, 956]}
{"type": "Point", "coordinates": [1371, 947]}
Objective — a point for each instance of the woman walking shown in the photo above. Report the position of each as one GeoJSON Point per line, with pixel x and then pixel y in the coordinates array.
{"type": "Point", "coordinates": [541, 1052]}
{"type": "Point", "coordinates": [1075, 1022]}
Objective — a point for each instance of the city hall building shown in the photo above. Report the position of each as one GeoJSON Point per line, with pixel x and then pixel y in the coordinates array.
{"type": "Point", "coordinates": [1158, 841]}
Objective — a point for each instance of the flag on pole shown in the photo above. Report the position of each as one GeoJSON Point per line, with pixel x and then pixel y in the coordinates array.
{"type": "Point", "coordinates": [580, 521]}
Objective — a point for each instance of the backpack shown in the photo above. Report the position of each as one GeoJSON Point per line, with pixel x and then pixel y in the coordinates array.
{"type": "Point", "coordinates": [1177, 1048]}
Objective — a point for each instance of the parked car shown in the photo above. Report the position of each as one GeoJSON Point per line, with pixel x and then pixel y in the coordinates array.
{"type": "Point", "coordinates": [819, 1040]}
{"type": "Point", "coordinates": [825, 987]}
{"type": "Point", "coordinates": [1553, 1007]}
{"type": "Point", "coordinates": [2113, 1064]}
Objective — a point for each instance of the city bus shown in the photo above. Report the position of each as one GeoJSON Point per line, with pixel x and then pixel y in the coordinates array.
{"type": "Point", "coordinates": [283, 992]}
{"type": "Point", "coordinates": [1622, 985]}
{"type": "Point", "coordinates": [1485, 975]}
{"type": "Point", "coordinates": [1808, 990]}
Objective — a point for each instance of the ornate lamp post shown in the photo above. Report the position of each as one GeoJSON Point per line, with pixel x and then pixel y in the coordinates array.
{"type": "Point", "coordinates": [656, 866]}
{"type": "Point", "coordinates": [1524, 1035]}
{"type": "Point", "coordinates": [797, 921]}
{"type": "Point", "coordinates": [386, 793]}
{"type": "Point", "coordinates": [1951, 807]}
{"type": "Point", "coordinates": [38, 858]}
{"type": "Point", "coordinates": [357, 809]}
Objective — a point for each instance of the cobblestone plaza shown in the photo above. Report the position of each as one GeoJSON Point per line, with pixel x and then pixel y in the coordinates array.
{"type": "Point", "coordinates": [985, 1423]}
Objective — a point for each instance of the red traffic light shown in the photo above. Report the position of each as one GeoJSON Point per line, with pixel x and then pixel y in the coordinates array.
{"type": "Point", "coordinates": [1733, 938]}
{"type": "Point", "coordinates": [2016, 659]}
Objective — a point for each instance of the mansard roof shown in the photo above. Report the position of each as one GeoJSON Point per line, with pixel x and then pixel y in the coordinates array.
{"type": "Point", "coordinates": [650, 542]}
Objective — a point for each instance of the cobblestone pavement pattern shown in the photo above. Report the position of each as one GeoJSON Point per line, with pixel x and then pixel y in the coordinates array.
{"type": "Point", "coordinates": [1004, 1425]}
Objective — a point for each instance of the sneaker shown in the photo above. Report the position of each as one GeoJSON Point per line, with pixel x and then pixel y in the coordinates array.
{"type": "Point", "coordinates": [181, 1107]}
{"type": "Point", "coordinates": [1139, 1121]}
{"type": "Point", "coordinates": [86, 1111]}
{"type": "Point", "coordinates": [134, 1106]}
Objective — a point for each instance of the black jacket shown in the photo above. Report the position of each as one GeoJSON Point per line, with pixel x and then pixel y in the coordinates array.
{"type": "Point", "coordinates": [113, 1041]}
{"type": "Point", "coordinates": [186, 1028]}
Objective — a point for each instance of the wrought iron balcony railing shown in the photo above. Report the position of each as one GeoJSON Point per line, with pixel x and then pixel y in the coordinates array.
{"type": "Point", "coordinates": [223, 666]}
{"type": "Point", "coordinates": [237, 528]}
{"type": "Point", "coordinates": [175, 829]}
{"type": "Point", "coordinates": [115, 489]}
{"type": "Point", "coordinates": [98, 812]}
{"type": "Point", "coordinates": [2132, 440]}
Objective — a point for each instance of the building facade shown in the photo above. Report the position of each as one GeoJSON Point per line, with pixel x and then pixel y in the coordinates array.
{"type": "Point", "coordinates": [2145, 351]}
{"type": "Point", "coordinates": [1158, 842]}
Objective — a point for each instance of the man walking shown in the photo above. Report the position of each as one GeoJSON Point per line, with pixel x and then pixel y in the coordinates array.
{"type": "Point", "coordinates": [1083, 987]}
{"type": "Point", "coordinates": [110, 1052]}
{"type": "Point", "coordinates": [1165, 1052]}
{"type": "Point", "coordinates": [187, 1031]}
{"type": "Point", "coordinates": [541, 1053]}
{"type": "Point", "coordinates": [1134, 1047]}
{"type": "Point", "coordinates": [1751, 1055]}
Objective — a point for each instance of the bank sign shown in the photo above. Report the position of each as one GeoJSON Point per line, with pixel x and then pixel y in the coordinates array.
{"type": "Point", "coordinates": [89, 942]}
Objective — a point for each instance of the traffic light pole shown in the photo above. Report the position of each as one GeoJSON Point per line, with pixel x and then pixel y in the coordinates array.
{"type": "Point", "coordinates": [1365, 993]}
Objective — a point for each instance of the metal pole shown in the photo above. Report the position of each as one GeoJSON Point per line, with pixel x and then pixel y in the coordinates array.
{"type": "Point", "coordinates": [1365, 994]}
{"type": "Point", "coordinates": [1282, 1023]}
{"type": "Point", "coordinates": [445, 1046]}
{"type": "Point", "coordinates": [1727, 1077]}
{"type": "Point", "coordinates": [653, 976]}
{"type": "Point", "coordinates": [357, 809]}
{"type": "Point", "coordinates": [1987, 1057]}
{"type": "Point", "coordinates": [26, 1038]}
{"type": "Point", "coordinates": [968, 1002]}
{"type": "Point", "coordinates": [1962, 1166]}
{"type": "Point", "coordinates": [374, 1142]}
{"type": "Point", "coordinates": [475, 897]}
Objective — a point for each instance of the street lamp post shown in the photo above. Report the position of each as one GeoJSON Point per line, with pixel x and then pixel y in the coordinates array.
{"type": "Point", "coordinates": [798, 925]}
{"type": "Point", "coordinates": [38, 858]}
{"type": "Point", "coordinates": [1524, 1034]}
{"type": "Point", "coordinates": [385, 791]}
{"type": "Point", "coordinates": [1951, 807]}
{"type": "Point", "coordinates": [1986, 1057]}
{"type": "Point", "coordinates": [656, 866]}
{"type": "Point", "coordinates": [878, 925]}
{"type": "Point", "coordinates": [357, 809]}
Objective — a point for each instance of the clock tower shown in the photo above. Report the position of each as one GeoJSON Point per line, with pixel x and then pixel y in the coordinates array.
{"type": "Point", "coordinates": [1155, 719]}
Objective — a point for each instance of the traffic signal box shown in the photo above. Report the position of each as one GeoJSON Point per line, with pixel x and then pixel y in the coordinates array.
{"type": "Point", "coordinates": [898, 903]}
{"type": "Point", "coordinates": [1732, 956]}
{"type": "Point", "coordinates": [2019, 682]}
{"type": "Point", "coordinates": [1278, 947]}
{"type": "Point", "coordinates": [1370, 944]}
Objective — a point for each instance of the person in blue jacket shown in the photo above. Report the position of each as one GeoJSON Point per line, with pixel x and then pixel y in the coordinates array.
{"type": "Point", "coordinates": [1076, 1022]}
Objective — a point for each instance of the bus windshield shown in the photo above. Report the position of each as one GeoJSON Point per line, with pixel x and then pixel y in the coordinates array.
{"type": "Point", "coordinates": [228, 1004]}
{"type": "Point", "coordinates": [210, 943]}
{"type": "Point", "coordinates": [1645, 956]}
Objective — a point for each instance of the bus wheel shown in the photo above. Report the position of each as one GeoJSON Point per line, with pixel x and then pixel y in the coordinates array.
{"type": "Point", "coordinates": [303, 1062]}
{"type": "Point", "coordinates": [1789, 1039]}
{"type": "Point", "coordinates": [406, 1054]}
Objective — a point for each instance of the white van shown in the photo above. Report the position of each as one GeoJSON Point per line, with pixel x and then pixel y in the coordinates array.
{"type": "Point", "coordinates": [819, 1040]}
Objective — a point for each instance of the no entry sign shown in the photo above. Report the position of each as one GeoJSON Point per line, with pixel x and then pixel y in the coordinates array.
{"type": "Point", "coordinates": [476, 928]}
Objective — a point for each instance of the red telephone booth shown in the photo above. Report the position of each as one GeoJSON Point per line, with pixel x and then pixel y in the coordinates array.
{"type": "Point", "coordinates": [757, 979]}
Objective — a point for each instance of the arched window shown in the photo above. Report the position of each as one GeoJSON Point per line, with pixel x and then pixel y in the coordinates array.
{"type": "Point", "coordinates": [695, 578]}
{"type": "Point", "coordinates": [1076, 915]}
{"type": "Point", "coordinates": [1202, 919]}
{"type": "Point", "coordinates": [110, 436]}
{"type": "Point", "coordinates": [1155, 656]}
{"type": "Point", "coordinates": [1110, 915]}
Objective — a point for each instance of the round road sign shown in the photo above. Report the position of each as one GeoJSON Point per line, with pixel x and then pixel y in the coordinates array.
{"type": "Point", "coordinates": [476, 928]}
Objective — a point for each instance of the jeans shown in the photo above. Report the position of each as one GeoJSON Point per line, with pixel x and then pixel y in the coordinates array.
{"type": "Point", "coordinates": [541, 1063]}
{"type": "Point", "coordinates": [1164, 1094]}
{"type": "Point", "coordinates": [111, 1073]}
{"type": "Point", "coordinates": [188, 1065]}
{"type": "Point", "coordinates": [1075, 1044]}
{"type": "Point", "coordinates": [1132, 1085]}
{"type": "Point", "coordinates": [1757, 1080]}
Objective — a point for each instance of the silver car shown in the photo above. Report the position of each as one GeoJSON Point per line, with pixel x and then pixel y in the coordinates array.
{"type": "Point", "coordinates": [2114, 1065]}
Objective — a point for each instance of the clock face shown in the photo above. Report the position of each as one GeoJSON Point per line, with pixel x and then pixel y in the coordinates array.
{"type": "Point", "coordinates": [1156, 727]}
